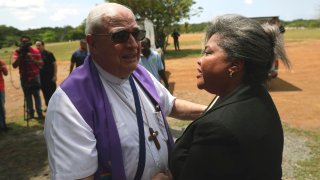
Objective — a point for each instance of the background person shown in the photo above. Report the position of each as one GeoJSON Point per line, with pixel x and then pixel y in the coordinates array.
{"type": "Point", "coordinates": [107, 119]}
{"type": "Point", "coordinates": [48, 72]}
{"type": "Point", "coordinates": [3, 72]}
{"type": "Point", "coordinates": [160, 41]}
{"type": "Point", "coordinates": [151, 60]}
{"type": "Point", "coordinates": [240, 135]}
{"type": "Point", "coordinates": [29, 61]}
{"type": "Point", "coordinates": [175, 35]}
{"type": "Point", "coordinates": [79, 55]}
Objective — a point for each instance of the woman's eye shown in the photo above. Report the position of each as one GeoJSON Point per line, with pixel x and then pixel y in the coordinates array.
{"type": "Point", "coordinates": [206, 53]}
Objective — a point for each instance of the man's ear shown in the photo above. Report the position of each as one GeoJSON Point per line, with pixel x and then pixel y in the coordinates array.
{"type": "Point", "coordinates": [90, 42]}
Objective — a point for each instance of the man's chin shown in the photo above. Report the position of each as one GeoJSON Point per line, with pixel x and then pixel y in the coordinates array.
{"type": "Point", "coordinates": [134, 64]}
{"type": "Point", "coordinates": [131, 67]}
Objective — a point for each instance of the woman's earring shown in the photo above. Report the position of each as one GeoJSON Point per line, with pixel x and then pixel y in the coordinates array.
{"type": "Point", "coordinates": [231, 74]}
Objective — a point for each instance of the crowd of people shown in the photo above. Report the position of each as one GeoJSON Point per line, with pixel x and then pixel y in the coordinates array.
{"type": "Point", "coordinates": [38, 71]}
{"type": "Point", "coordinates": [107, 119]}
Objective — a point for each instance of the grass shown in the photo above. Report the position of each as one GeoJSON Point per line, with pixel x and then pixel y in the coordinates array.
{"type": "Point", "coordinates": [62, 51]}
{"type": "Point", "coordinates": [172, 54]}
{"type": "Point", "coordinates": [6, 54]}
{"type": "Point", "coordinates": [23, 151]}
{"type": "Point", "coordinates": [309, 168]}
{"type": "Point", "coordinates": [302, 34]}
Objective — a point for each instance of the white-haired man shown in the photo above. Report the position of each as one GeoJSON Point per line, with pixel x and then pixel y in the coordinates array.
{"type": "Point", "coordinates": [107, 119]}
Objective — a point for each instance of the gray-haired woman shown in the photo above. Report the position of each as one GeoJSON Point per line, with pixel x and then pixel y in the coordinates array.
{"type": "Point", "coordinates": [240, 134]}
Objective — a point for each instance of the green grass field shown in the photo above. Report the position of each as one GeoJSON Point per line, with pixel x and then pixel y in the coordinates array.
{"type": "Point", "coordinates": [61, 50]}
{"type": "Point", "coordinates": [301, 34]}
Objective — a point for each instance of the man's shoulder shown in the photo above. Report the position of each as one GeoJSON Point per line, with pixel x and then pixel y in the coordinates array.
{"type": "Point", "coordinates": [34, 50]}
{"type": "Point", "coordinates": [155, 53]}
{"type": "Point", "coordinates": [75, 82]}
{"type": "Point", "coordinates": [80, 52]}
{"type": "Point", "coordinates": [76, 52]}
{"type": "Point", "coordinates": [47, 52]}
{"type": "Point", "coordinates": [35, 53]}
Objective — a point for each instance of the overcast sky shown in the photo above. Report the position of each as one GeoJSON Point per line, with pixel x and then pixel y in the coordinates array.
{"type": "Point", "coordinates": [25, 14]}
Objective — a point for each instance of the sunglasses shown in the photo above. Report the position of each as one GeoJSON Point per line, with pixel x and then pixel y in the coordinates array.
{"type": "Point", "coordinates": [122, 36]}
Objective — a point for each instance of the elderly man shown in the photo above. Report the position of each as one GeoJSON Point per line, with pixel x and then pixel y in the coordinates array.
{"type": "Point", "coordinates": [107, 119]}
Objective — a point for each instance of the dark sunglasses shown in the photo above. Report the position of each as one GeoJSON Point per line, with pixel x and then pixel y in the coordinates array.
{"type": "Point", "coordinates": [122, 36]}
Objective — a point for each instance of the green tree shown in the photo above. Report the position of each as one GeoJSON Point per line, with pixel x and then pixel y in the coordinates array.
{"type": "Point", "coordinates": [8, 35]}
{"type": "Point", "coordinates": [49, 36]}
{"type": "Point", "coordinates": [164, 14]}
{"type": "Point", "coordinates": [63, 34]}
{"type": "Point", "coordinates": [78, 32]}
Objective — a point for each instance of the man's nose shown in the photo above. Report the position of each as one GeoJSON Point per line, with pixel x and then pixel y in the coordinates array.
{"type": "Point", "coordinates": [132, 41]}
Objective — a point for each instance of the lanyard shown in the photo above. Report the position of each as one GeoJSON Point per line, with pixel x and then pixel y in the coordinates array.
{"type": "Point", "coordinates": [142, 143]}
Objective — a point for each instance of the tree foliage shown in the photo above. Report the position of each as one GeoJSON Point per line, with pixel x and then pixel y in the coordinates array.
{"type": "Point", "coordinates": [165, 14]}
{"type": "Point", "coordinates": [313, 23]}
{"type": "Point", "coordinates": [9, 36]}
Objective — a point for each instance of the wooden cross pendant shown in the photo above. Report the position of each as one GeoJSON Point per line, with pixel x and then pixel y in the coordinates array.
{"type": "Point", "coordinates": [153, 137]}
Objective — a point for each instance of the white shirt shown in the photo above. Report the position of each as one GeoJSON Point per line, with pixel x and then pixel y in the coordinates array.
{"type": "Point", "coordinates": [153, 63]}
{"type": "Point", "coordinates": [72, 145]}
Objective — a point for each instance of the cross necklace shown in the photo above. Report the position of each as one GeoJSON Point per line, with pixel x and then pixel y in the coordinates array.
{"type": "Point", "coordinates": [153, 137]}
{"type": "Point", "coordinates": [153, 134]}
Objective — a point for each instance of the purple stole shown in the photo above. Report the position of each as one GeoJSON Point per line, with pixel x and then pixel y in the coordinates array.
{"type": "Point", "coordinates": [85, 90]}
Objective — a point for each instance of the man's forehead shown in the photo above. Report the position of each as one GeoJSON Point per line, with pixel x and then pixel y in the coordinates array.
{"type": "Point", "coordinates": [119, 28]}
{"type": "Point", "coordinates": [123, 24]}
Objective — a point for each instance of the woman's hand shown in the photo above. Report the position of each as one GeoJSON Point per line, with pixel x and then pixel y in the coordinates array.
{"type": "Point", "coordinates": [166, 175]}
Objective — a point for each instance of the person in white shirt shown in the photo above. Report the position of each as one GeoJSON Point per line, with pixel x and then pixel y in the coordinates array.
{"type": "Point", "coordinates": [151, 60]}
{"type": "Point", "coordinates": [107, 119]}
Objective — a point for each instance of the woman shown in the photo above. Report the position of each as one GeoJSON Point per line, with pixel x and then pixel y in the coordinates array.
{"type": "Point", "coordinates": [240, 135]}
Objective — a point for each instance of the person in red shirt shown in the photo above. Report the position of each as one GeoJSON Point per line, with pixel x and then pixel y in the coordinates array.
{"type": "Point", "coordinates": [29, 61]}
{"type": "Point", "coordinates": [3, 71]}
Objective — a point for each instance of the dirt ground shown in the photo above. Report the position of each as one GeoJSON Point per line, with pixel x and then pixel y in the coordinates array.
{"type": "Point", "coordinates": [295, 93]}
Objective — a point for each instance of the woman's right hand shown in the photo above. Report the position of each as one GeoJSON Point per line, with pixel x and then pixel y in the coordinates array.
{"type": "Point", "coordinates": [166, 175]}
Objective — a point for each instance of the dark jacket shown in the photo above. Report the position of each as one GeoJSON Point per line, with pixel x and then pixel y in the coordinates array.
{"type": "Point", "coordinates": [240, 137]}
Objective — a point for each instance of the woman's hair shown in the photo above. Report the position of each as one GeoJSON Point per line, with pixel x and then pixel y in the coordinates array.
{"type": "Point", "coordinates": [276, 33]}
{"type": "Point", "coordinates": [246, 39]}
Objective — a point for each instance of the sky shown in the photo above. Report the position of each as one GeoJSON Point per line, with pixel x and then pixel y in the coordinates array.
{"type": "Point", "coordinates": [30, 14]}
